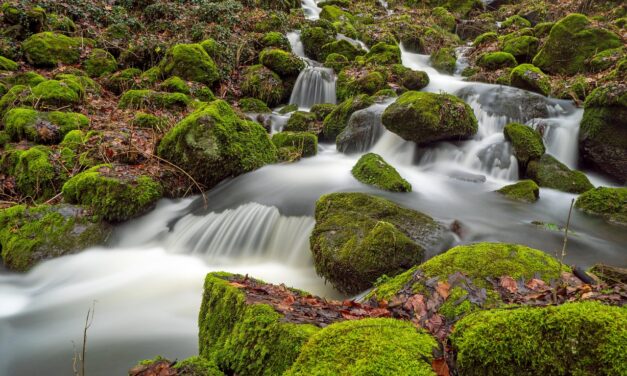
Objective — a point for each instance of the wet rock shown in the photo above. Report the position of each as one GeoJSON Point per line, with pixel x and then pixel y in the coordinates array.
{"type": "Point", "coordinates": [525, 190]}
{"type": "Point", "coordinates": [548, 172]}
{"type": "Point", "coordinates": [362, 132]}
{"type": "Point", "coordinates": [609, 203]}
{"type": "Point", "coordinates": [515, 105]}
{"type": "Point", "coordinates": [371, 169]}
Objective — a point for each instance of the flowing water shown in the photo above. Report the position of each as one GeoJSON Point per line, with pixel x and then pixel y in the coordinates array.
{"type": "Point", "coordinates": [147, 283]}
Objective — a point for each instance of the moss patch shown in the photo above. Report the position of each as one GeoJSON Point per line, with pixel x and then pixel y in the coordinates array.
{"type": "Point", "coordinates": [496, 60]}
{"type": "Point", "coordinates": [530, 77]}
{"type": "Point", "coordinates": [610, 203]}
{"type": "Point", "coordinates": [336, 121]}
{"type": "Point", "coordinates": [148, 99]}
{"type": "Point", "coordinates": [48, 49]}
{"type": "Point", "coordinates": [527, 142]}
{"type": "Point", "coordinates": [524, 190]}
{"type": "Point", "coordinates": [262, 83]}
{"type": "Point", "coordinates": [99, 63]}
{"type": "Point", "coordinates": [284, 63]}
{"type": "Point", "coordinates": [305, 143]}
{"type": "Point", "coordinates": [373, 170]}
{"type": "Point", "coordinates": [548, 172]}
{"type": "Point", "coordinates": [190, 62]}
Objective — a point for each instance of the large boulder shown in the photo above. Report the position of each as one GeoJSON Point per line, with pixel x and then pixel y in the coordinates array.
{"type": "Point", "coordinates": [42, 127]}
{"type": "Point", "coordinates": [190, 62]}
{"type": "Point", "coordinates": [314, 38]}
{"type": "Point", "coordinates": [609, 203]}
{"type": "Point", "coordinates": [29, 235]}
{"type": "Point", "coordinates": [335, 122]}
{"type": "Point", "coordinates": [213, 144]}
{"type": "Point", "coordinates": [548, 172]}
{"type": "Point", "coordinates": [48, 49]}
{"type": "Point", "coordinates": [530, 77]}
{"type": "Point", "coordinates": [571, 42]}
{"type": "Point", "coordinates": [284, 63]}
{"type": "Point", "coordinates": [262, 83]}
{"type": "Point", "coordinates": [428, 117]}
{"type": "Point", "coordinates": [358, 238]}
{"type": "Point", "coordinates": [373, 170]}
{"type": "Point", "coordinates": [603, 132]}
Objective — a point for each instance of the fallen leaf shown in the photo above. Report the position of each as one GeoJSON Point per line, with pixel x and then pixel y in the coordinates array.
{"type": "Point", "coordinates": [509, 284]}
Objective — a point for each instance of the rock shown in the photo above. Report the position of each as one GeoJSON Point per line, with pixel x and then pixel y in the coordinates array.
{"type": "Point", "coordinates": [471, 29]}
{"type": "Point", "coordinates": [99, 63]}
{"type": "Point", "coordinates": [54, 94]}
{"type": "Point", "coordinates": [362, 132]}
{"type": "Point", "coordinates": [595, 331]}
{"type": "Point", "coordinates": [123, 80]}
{"type": "Point", "coordinates": [337, 120]}
{"type": "Point", "coordinates": [605, 59]}
{"type": "Point", "coordinates": [29, 235]}
{"type": "Point", "coordinates": [7, 64]}
{"type": "Point", "coordinates": [548, 172]}
{"type": "Point", "coordinates": [609, 203]}
{"type": "Point", "coordinates": [190, 62]}
{"type": "Point", "coordinates": [516, 22]}
{"type": "Point", "coordinates": [427, 117]}
{"type": "Point", "coordinates": [212, 144]}
{"type": "Point", "coordinates": [284, 63]}
{"type": "Point", "coordinates": [518, 105]}
{"type": "Point", "coordinates": [142, 99]}
{"type": "Point", "coordinates": [175, 84]}
{"type": "Point", "coordinates": [609, 274]}
{"type": "Point", "coordinates": [366, 347]}
{"type": "Point", "coordinates": [48, 49]}
{"type": "Point", "coordinates": [314, 38]}
{"type": "Point", "coordinates": [253, 105]}
{"type": "Point", "coordinates": [358, 238]}
{"type": "Point", "coordinates": [262, 83]}
{"type": "Point", "coordinates": [193, 366]}
{"type": "Point", "coordinates": [350, 83]}
{"type": "Point", "coordinates": [384, 54]}
{"type": "Point", "coordinates": [42, 127]}
{"type": "Point", "coordinates": [272, 39]}
{"type": "Point", "coordinates": [336, 62]}
{"type": "Point", "coordinates": [333, 13]}
{"type": "Point", "coordinates": [496, 60]}
{"type": "Point", "coordinates": [571, 42]}
{"type": "Point", "coordinates": [603, 132]}
{"type": "Point", "coordinates": [305, 144]}
{"type": "Point", "coordinates": [247, 338]}
{"type": "Point", "coordinates": [527, 143]}
{"type": "Point", "coordinates": [373, 170]}
{"type": "Point", "coordinates": [523, 48]}
{"type": "Point", "coordinates": [341, 47]}
{"type": "Point", "coordinates": [529, 77]}
{"type": "Point", "coordinates": [415, 80]}
{"type": "Point", "coordinates": [444, 60]}
{"type": "Point", "coordinates": [524, 190]}
{"type": "Point", "coordinates": [301, 121]}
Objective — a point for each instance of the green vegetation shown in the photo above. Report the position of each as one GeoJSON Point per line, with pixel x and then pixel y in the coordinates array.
{"type": "Point", "coordinates": [526, 141]}
{"type": "Point", "coordinates": [444, 60]}
{"type": "Point", "coordinates": [304, 143]}
{"type": "Point", "coordinates": [496, 60]}
{"type": "Point", "coordinates": [262, 83]}
{"type": "Point", "coordinates": [336, 121]}
{"type": "Point", "coordinates": [529, 77]}
{"type": "Point", "coordinates": [284, 63]}
{"type": "Point", "coordinates": [524, 190]}
{"type": "Point", "coordinates": [190, 62]}
{"type": "Point", "coordinates": [142, 99]}
{"type": "Point", "coordinates": [47, 49]}
{"type": "Point", "coordinates": [99, 63]}
{"type": "Point", "coordinates": [373, 170]}
{"type": "Point", "coordinates": [610, 203]}
{"type": "Point", "coordinates": [548, 172]}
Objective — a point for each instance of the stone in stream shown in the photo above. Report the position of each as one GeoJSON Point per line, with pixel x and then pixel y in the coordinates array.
{"type": "Point", "coordinates": [358, 238]}
{"type": "Point", "coordinates": [609, 203]}
{"type": "Point", "coordinates": [548, 172]}
{"type": "Point", "coordinates": [371, 169]}
{"type": "Point", "coordinates": [362, 132]}
{"type": "Point", "coordinates": [337, 120]}
{"type": "Point", "coordinates": [514, 104]}
{"type": "Point", "coordinates": [527, 143]}
{"type": "Point", "coordinates": [524, 190]}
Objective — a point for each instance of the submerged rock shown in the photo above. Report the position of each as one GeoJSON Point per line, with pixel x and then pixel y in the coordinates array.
{"type": "Point", "coordinates": [371, 169]}
{"type": "Point", "coordinates": [610, 203]}
{"type": "Point", "coordinates": [525, 190]}
{"type": "Point", "coordinates": [548, 172]}
{"type": "Point", "coordinates": [358, 238]}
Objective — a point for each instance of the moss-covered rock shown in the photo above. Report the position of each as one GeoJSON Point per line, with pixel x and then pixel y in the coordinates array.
{"type": "Point", "coordinates": [322, 110]}
{"type": "Point", "coordinates": [384, 54]}
{"type": "Point", "coordinates": [523, 48]}
{"type": "Point", "coordinates": [496, 60]}
{"type": "Point", "coordinates": [190, 62]}
{"type": "Point", "coordinates": [336, 62]}
{"type": "Point", "coordinates": [530, 77]}
{"type": "Point", "coordinates": [610, 203]}
{"type": "Point", "coordinates": [526, 141]}
{"type": "Point", "coordinates": [571, 42]}
{"type": "Point", "coordinates": [603, 132]}
{"type": "Point", "coordinates": [444, 19]}
{"type": "Point", "coordinates": [48, 49]}
{"type": "Point", "coordinates": [42, 127]}
{"type": "Point", "coordinates": [246, 338]}
{"type": "Point", "coordinates": [7, 64]}
{"type": "Point", "coordinates": [524, 190]}
{"type": "Point", "coordinates": [54, 94]}
{"type": "Point", "coordinates": [427, 117]}
{"type": "Point", "coordinates": [605, 59]}
{"type": "Point", "coordinates": [414, 80]}
{"type": "Point", "coordinates": [444, 60]}
{"type": "Point", "coordinates": [358, 238]}
{"type": "Point", "coordinates": [29, 78]}
{"type": "Point", "coordinates": [350, 83]}
{"type": "Point", "coordinates": [99, 63]}
{"type": "Point", "coordinates": [314, 38]}
{"type": "Point", "coordinates": [548, 172]}
{"type": "Point", "coordinates": [371, 169]}
{"type": "Point", "coordinates": [175, 84]}
{"type": "Point", "coordinates": [113, 196]}
{"type": "Point", "coordinates": [333, 13]}
{"type": "Point", "coordinates": [213, 143]}
{"type": "Point", "coordinates": [192, 366]}
{"type": "Point", "coordinates": [301, 121]}
{"type": "Point", "coordinates": [342, 47]}
{"type": "Point", "coordinates": [486, 37]}
{"type": "Point", "coordinates": [262, 83]}
{"type": "Point", "coordinates": [532, 341]}
{"type": "Point", "coordinates": [123, 80]}
{"type": "Point", "coordinates": [367, 347]}
{"type": "Point", "coordinates": [29, 235]}
{"type": "Point", "coordinates": [276, 40]}
{"type": "Point", "coordinates": [284, 63]}
{"type": "Point", "coordinates": [254, 105]}
{"type": "Point", "coordinates": [515, 21]}
{"type": "Point", "coordinates": [141, 99]}
{"type": "Point", "coordinates": [150, 121]}
{"type": "Point", "coordinates": [336, 121]}
{"type": "Point", "coordinates": [304, 143]}
{"type": "Point", "coordinates": [12, 97]}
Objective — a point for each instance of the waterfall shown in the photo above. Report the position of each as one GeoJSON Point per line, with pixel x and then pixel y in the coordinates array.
{"type": "Point", "coordinates": [311, 9]}
{"type": "Point", "coordinates": [296, 43]}
{"type": "Point", "coordinates": [314, 85]}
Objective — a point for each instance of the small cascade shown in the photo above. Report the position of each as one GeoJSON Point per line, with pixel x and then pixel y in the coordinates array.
{"type": "Point", "coordinates": [311, 9]}
{"type": "Point", "coordinates": [249, 232]}
{"type": "Point", "coordinates": [314, 85]}
{"type": "Point", "coordinates": [354, 42]}
{"type": "Point", "coordinates": [462, 59]}
{"type": "Point", "coordinates": [560, 136]}
{"type": "Point", "coordinates": [394, 149]}
{"type": "Point", "coordinates": [296, 43]}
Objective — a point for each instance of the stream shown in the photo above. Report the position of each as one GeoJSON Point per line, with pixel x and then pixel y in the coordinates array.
{"type": "Point", "coordinates": [147, 282]}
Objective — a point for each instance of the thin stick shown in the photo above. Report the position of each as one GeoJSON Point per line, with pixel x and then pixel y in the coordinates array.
{"type": "Point", "coordinates": [570, 211]}
{"type": "Point", "coordinates": [88, 321]}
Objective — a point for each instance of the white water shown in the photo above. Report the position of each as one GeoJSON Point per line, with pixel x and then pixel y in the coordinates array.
{"type": "Point", "coordinates": [311, 9]}
{"type": "Point", "coordinates": [314, 85]}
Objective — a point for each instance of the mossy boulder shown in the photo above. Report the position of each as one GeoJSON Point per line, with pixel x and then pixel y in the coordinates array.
{"type": "Point", "coordinates": [213, 144]}
{"type": "Point", "coordinates": [350, 83]}
{"type": "Point", "coordinates": [303, 143]}
{"type": "Point", "coordinates": [276, 40]}
{"type": "Point", "coordinates": [336, 121]}
{"type": "Point", "coordinates": [54, 94]}
{"type": "Point", "coordinates": [314, 38]}
{"type": "Point", "coordinates": [262, 83]}
{"type": "Point", "coordinates": [610, 203]}
{"type": "Point", "coordinates": [486, 37]}
{"type": "Point", "coordinates": [571, 42]}
{"type": "Point", "coordinates": [149, 121]}
{"type": "Point", "coordinates": [192, 366]}
{"type": "Point", "coordinates": [527, 142]}
{"type": "Point", "coordinates": [603, 131]}
{"type": "Point", "coordinates": [548, 172]}
{"type": "Point", "coordinates": [384, 54]}
{"type": "Point", "coordinates": [532, 341]}
{"type": "Point", "coordinates": [341, 47]}
{"type": "Point", "coordinates": [301, 121]}
{"type": "Point", "coordinates": [190, 62]}
{"type": "Point", "coordinates": [524, 190]}
{"type": "Point", "coordinates": [358, 238]}
{"type": "Point", "coordinates": [142, 99]}
{"type": "Point", "coordinates": [7, 64]}
{"type": "Point", "coordinates": [123, 80]}
{"type": "Point", "coordinates": [373, 347]}
{"type": "Point", "coordinates": [428, 117]}
{"type": "Point", "coordinates": [322, 110]}
{"type": "Point", "coordinates": [29, 235]}
{"type": "Point", "coordinates": [29, 78]}
{"type": "Point", "coordinates": [48, 49]}
{"type": "Point", "coordinates": [373, 170]}
{"type": "Point", "coordinates": [246, 338]}
{"type": "Point", "coordinates": [414, 80]}
{"type": "Point", "coordinates": [42, 127]}
{"type": "Point", "coordinates": [530, 77]}
{"type": "Point", "coordinates": [444, 19]}
{"type": "Point", "coordinates": [444, 60]}
{"type": "Point", "coordinates": [515, 21]}
{"type": "Point", "coordinates": [112, 195]}
{"type": "Point", "coordinates": [333, 13]}
{"type": "Point", "coordinates": [336, 62]}
{"type": "Point", "coordinates": [606, 59]}
{"type": "Point", "coordinates": [254, 105]}
{"type": "Point", "coordinates": [284, 63]}
{"type": "Point", "coordinates": [523, 48]}
{"type": "Point", "coordinates": [99, 63]}
{"type": "Point", "coordinates": [175, 84]}
{"type": "Point", "coordinates": [496, 60]}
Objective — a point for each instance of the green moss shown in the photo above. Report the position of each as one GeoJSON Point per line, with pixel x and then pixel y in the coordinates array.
{"type": "Point", "coordinates": [190, 62]}
{"type": "Point", "coordinates": [342, 47]}
{"type": "Point", "coordinates": [122, 81]}
{"type": "Point", "coordinates": [610, 203]}
{"type": "Point", "coordinates": [213, 144]}
{"type": "Point", "coordinates": [526, 141]}
{"type": "Point", "coordinates": [542, 29]}
{"type": "Point", "coordinates": [138, 99]}
{"type": "Point", "coordinates": [19, 123]}
{"type": "Point", "coordinates": [333, 13]}
{"type": "Point", "coordinates": [13, 96]}
{"type": "Point", "coordinates": [304, 142]}
{"type": "Point", "coordinates": [548, 172]}
{"type": "Point", "coordinates": [515, 21]}
{"type": "Point", "coordinates": [496, 60]}
{"type": "Point", "coordinates": [314, 38]}
{"type": "Point", "coordinates": [48, 49]}
{"type": "Point", "coordinates": [414, 80]}
{"type": "Point", "coordinates": [29, 235]}
{"type": "Point", "coordinates": [144, 120]}
{"type": "Point", "coordinates": [384, 54]}
{"type": "Point", "coordinates": [336, 121]}
{"type": "Point", "coordinates": [262, 83]}
{"type": "Point", "coordinates": [486, 37]}
{"type": "Point", "coordinates": [25, 78]}
{"type": "Point", "coordinates": [358, 238]}
{"type": "Point", "coordinates": [53, 93]}
{"type": "Point", "coordinates": [114, 198]}
{"type": "Point", "coordinates": [369, 82]}
{"type": "Point", "coordinates": [530, 77]}
{"type": "Point", "coordinates": [606, 59]}
{"type": "Point", "coordinates": [586, 338]}
{"type": "Point", "coordinates": [288, 109]}
{"type": "Point", "coordinates": [373, 170]}
{"type": "Point", "coordinates": [571, 42]}
{"type": "Point", "coordinates": [444, 19]}
{"type": "Point", "coordinates": [524, 190]}
{"type": "Point", "coordinates": [523, 48]}
{"type": "Point", "coordinates": [42, 127]}
{"type": "Point", "coordinates": [456, 304]}
{"type": "Point", "coordinates": [322, 110]}
{"type": "Point", "coordinates": [61, 23]}
{"type": "Point", "coordinates": [99, 63]}
{"type": "Point", "coordinates": [444, 60]}
{"type": "Point", "coordinates": [336, 62]}
{"type": "Point", "coordinates": [197, 366]}
{"type": "Point", "coordinates": [175, 84]}
{"type": "Point", "coordinates": [301, 121]}
{"type": "Point", "coordinates": [367, 347]}
{"type": "Point", "coordinates": [284, 63]}
{"type": "Point", "coordinates": [254, 105]}
{"type": "Point", "coordinates": [427, 117]}
{"type": "Point", "coordinates": [246, 338]}
{"type": "Point", "coordinates": [7, 64]}
{"type": "Point", "coordinates": [276, 40]}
